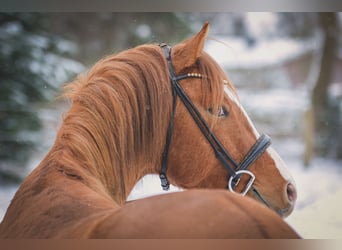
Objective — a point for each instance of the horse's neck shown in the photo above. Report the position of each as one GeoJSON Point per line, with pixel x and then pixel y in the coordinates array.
{"type": "Point", "coordinates": [116, 184]}
{"type": "Point", "coordinates": [84, 162]}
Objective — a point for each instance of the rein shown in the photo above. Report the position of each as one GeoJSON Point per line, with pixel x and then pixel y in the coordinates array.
{"type": "Point", "coordinates": [235, 170]}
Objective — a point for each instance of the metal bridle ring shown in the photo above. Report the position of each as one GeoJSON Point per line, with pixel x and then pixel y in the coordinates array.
{"type": "Point", "coordinates": [248, 185]}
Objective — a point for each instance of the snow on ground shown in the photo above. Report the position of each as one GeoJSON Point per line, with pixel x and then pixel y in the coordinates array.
{"type": "Point", "coordinates": [318, 210]}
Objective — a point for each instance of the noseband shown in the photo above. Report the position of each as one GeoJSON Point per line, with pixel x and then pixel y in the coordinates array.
{"type": "Point", "coordinates": [235, 170]}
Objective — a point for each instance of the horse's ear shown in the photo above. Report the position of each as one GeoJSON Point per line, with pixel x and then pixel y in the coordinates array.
{"type": "Point", "coordinates": [186, 53]}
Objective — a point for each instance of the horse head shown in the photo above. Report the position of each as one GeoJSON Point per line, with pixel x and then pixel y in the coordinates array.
{"type": "Point", "coordinates": [193, 162]}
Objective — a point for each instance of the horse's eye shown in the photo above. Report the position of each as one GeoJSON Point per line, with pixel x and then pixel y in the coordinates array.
{"type": "Point", "coordinates": [221, 112]}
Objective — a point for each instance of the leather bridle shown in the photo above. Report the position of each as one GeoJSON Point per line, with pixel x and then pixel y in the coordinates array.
{"type": "Point", "coordinates": [235, 170]}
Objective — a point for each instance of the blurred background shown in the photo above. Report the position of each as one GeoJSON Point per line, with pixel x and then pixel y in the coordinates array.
{"type": "Point", "coordinates": [287, 68]}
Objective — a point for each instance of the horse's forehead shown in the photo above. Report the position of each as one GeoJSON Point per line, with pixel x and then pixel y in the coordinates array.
{"type": "Point", "coordinates": [231, 95]}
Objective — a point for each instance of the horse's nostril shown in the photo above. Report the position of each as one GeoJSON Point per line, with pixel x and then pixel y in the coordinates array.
{"type": "Point", "coordinates": [291, 192]}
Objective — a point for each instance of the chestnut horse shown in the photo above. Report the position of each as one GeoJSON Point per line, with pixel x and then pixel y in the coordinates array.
{"type": "Point", "coordinates": [125, 122]}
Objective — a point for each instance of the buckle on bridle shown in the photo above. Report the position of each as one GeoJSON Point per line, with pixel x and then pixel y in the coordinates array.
{"type": "Point", "coordinates": [234, 181]}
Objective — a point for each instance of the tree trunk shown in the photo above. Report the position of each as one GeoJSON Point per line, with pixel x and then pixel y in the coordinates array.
{"type": "Point", "coordinates": [325, 117]}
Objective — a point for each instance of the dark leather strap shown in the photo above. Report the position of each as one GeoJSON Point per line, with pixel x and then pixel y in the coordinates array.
{"type": "Point", "coordinates": [163, 178]}
{"type": "Point", "coordinates": [263, 142]}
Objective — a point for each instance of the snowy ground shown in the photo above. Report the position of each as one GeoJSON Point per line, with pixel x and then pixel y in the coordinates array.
{"type": "Point", "coordinates": [318, 210]}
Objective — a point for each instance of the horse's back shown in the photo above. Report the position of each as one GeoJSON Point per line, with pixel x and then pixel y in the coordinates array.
{"type": "Point", "coordinates": [65, 208]}
{"type": "Point", "coordinates": [194, 214]}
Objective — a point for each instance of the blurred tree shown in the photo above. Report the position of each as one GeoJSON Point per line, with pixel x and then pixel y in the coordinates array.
{"type": "Point", "coordinates": [323, 119]}
{"type": "Point", "coordinates": [29, 68]}
{"type": "Point", "coordinates": [327, 122]}
{"type": "Point", "coordinates": [297, 24]}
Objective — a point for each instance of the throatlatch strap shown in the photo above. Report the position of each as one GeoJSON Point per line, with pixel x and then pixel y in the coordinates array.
{"type": "Point", "coordinates": [164, 181]}
{"type": "Point", "coordinates": [163, 178]}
